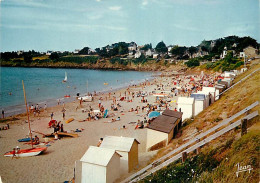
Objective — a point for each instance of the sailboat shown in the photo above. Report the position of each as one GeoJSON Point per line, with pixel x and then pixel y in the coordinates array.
{"type": "Point", "coordinates": [33, 151]}
{"type": "Point", "coordinates": [66, 78]}
{"type": "Point", "coordinates": [86, 98]}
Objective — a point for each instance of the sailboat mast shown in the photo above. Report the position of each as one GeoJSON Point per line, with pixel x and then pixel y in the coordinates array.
{"type": "Point", "coordinates": [27, 114]}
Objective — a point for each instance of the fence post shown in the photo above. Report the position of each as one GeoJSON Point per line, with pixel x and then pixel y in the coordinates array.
{"type": "Point", "coordinates": [184, 156]}
{"type": "Point", "coordinates": [243, 127]}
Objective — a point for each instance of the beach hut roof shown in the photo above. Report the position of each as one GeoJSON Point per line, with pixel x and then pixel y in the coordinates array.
{"type": "Point", "coordinates": [163, 123]}
{"type": "Point", "coordinates": [166, 122]}
{"type": "Point", "coordinates": [197, 96]}
{"type": "Point", "coordinates": [172, 113]}
{"type": "Point", "coordinates": [118, 143]}
{"type": "Point", "coordinates": [185, 100]}
{"type": "Point", "coordinates": [98, 155]}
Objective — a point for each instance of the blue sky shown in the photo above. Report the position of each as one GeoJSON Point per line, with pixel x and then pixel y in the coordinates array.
{"type": "Point", "coordinates": [73, 24]}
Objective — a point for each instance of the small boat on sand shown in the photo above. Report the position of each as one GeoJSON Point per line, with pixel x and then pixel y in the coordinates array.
{"type": "Point", "coordinates": [25, 152]}
{"type": "Point", "coordinates": [25, 139]}
{"type": "Point", "coordinates": [62, 134]}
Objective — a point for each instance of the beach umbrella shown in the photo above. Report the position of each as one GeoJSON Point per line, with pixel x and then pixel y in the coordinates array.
{"type": "Point", "coordinates": [153, 114]}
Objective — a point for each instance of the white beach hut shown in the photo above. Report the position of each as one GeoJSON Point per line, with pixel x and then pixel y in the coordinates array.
{"type": "Point", "coordinates": [125, 146]}
{"type": "Point", "coordinates": [187, 106]}
{"type": "Point", "coordinates": [206, 97]}
{"type": "Point", "coordinates": [228, 80]}
{"type": "Point", "coordinates": [100, 165]}
{"type": "Point", "coordinates": [200, 102]}
{"type": "Point", "coordinates": [212, 91]}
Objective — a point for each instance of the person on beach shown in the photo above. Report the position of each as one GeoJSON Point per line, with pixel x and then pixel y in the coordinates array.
{"type": "Point", "coordinates": [52, 115]}
{"type": "Point", "coordinates": [36, 140]}
{"type": "Point", "coordinates": [61, 128]}
{"type": "Point", "coordinates": [63, 113]}
{"type": "Point", "coordinates": [3, 113]}
{"type": "Point", "coordinates": [59, 102]}
{"type": "Point", "coordinates": [45, 107]}
{"type": "Point", "coordinates": [99, 142]}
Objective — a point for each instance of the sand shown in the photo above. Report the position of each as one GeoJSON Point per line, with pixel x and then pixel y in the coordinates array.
{"type": "Point", "coordinates": [58, 162]}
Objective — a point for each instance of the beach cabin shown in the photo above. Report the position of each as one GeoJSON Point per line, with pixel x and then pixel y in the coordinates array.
{"type": "Point", "coordinates": [228, 80]}
{"type": "Point", "coordinates": [128, 149]}
{"type": "Point", "coordinates": [212, 91]}
{"type": "Point", "coordinates": [206, 97]}
{"type": "Point", "coordinates": [100, 165]}
{"type": "Point", "coordinates": [187, 106]}
{"type": "Point", "coordinates": [200, 102]}
{"type": "Point", "coordinates": [162, 129]}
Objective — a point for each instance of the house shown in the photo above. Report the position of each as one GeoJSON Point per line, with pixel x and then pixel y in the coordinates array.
{"type": "Point", "coordinates": [99, 165]}
{"type": "Point", "coordinates": [132, 46]}
{"type": "Point", "coordinates": [76, 51]}
{"type": "Point", "coordinates": [187, 106]}
{"type": "Point", "coordinates": [20, 52]}
{"type": "Point", "coordinates": [200, 102]}
{"type": "Point", "coordinates": [138, 54]}
{"type": "Point", "coordinates": [126, 147]}
{"type": "Point", "coordinates": [212, 93]}
{"type": "Point", "coordinates": [251, 52]}
{"type": "Point", "coordinates": [49, 52]}
{"type": "Point", "coordinates": [242, 55]}
{"type": "Point", "coordinates": [228, 80]}
{"type": "Point", "coordinates": [148, 53]}
{"type": "Point", "coordinates": [155, 55]}
{"type": "Point", "coordinates": [162, 129]}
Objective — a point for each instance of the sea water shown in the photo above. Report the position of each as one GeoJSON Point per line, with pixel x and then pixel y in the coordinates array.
{"type": "Point", "coordinates": [44, 85]}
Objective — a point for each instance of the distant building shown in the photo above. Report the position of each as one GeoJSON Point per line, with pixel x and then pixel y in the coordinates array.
{"type": "Point", "coordinates": [49, 52]}
{"type": "Point", "coordinates": [76, 51]}
{"type": "Point", "coordinates": [155, 55]}
{"type": "Point", "coordinates": [242, 54]}
{"type": "Point", "coordinates": [20, 52]}
{"type": "Point", "coordinates": [132, 46]}
{"type": "Point", "coordinates": [148, 53]}
{"type": "Point", "coordinates": [138, 54]}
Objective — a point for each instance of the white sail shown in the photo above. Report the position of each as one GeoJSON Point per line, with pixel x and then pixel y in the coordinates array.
{"type": "Point", "coordinates": [66, 78]}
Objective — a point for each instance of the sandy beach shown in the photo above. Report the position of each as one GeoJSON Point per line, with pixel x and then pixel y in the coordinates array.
{"type": "Point", "coordinates": [57, 163]}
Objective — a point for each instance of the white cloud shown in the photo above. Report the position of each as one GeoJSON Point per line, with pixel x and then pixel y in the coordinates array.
{"type": "Point", "coordinates": [115, 8]}
{"type": "Point", "coordinates": [98, 0]}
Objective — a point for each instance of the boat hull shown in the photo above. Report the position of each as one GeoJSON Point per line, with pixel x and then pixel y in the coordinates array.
{"type": "Point", "coordinates": [26, 152]}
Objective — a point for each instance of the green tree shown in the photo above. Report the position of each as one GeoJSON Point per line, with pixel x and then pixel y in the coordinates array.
{"type": "Point", "coordinates": [161, 47]}
{"type": "Point", "coordinates": [54, 56]}
{"type": "Point", "coordinates": [84, 51]}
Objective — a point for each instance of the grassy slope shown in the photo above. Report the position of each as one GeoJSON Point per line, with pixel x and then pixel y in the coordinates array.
{"type": "Point", "coordinates": [230, 103]}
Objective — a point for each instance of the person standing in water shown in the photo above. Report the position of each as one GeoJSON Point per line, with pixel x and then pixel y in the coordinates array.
{"type": "Point", "coordinates": [3, 113]}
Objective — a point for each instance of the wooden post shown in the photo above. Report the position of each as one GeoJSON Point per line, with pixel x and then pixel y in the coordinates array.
{"type": "Point", "coordinates": [243, 127]}
{"type": "Point", "coordinates": [184, 156]}
{"type": "Point", "coordinates": [198, 149]}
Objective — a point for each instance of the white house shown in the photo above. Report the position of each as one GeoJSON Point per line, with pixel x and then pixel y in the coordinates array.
{"type": "Point", "coordinates": [49, 52]}
{"type": "Point", "coordinates": [200, 102]}
{"type": "Point", "coordinates": [125, 146]}
{"type": "Point", "coordinates": [99, 165]}
{"type": "Point", "coordinates": [212, 91]}
{"type": "Point", "coordinates": [242, 54]}
{"type": "Point", "coordinates": [228, 80]}
{"type": "Point", "coordinates": [148, 53]}
{"type": "Point", "coordinates": [155, 55]}
{"type": "Point", "coordinates": [138, 54]}
{"type": "Point", "coordinates": [187, 106]}
{"type": "Point", "coordinates": [20, 52]}
{"type": "Point", "coordinates": [132, 46]}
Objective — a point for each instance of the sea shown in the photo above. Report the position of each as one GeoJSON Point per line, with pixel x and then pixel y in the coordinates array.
{"type": "Point", "coordinates": [45, 86]}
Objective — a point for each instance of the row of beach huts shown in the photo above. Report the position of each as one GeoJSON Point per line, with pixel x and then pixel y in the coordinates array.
{"type": "Point", "coordinates": [118, 156]}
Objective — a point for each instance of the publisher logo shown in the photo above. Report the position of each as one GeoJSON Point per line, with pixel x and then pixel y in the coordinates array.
{"type": "Point", "coordinates": [243, 168]}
